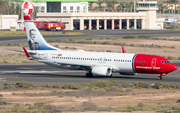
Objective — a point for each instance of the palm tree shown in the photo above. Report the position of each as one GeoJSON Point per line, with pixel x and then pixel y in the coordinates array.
{"type": "Point", "coordinates": [122, 5]}
{"type": "Point", "coordinates": [109, 5]}
{"type": "Point", "coordinates": [160, 7]}
{"type": "Point", "coordinates": [178, 9]}
{"type": "Point", "coordinates": [118, 8]}
{"type": "Point", "coordinates": [164, 5]}
{"type": "Point", "coordinates": [99, 3]}
{"type": "Point", "coordinates": [174, 2]}
{"type": "Point", "coordinates": [127, 7]}
{"type": "Point", "coordinates": [172, 8]}
{"type": "Point", "coordinates": [131, 4]}
{"type": "Point", "coordinates": [90, 5]}
{"type": "Point", "coordinates": [113, 3]}
{"type": "Point", "coordinates": [168, 5]}
{"type": "Point", "coordinates": [164, 8]}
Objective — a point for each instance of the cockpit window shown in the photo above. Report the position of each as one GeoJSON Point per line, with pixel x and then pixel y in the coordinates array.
{"type": "Point", "coordinates": [165, 62]}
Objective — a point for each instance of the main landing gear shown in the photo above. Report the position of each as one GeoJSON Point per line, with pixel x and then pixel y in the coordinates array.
{"type": "Point", "coordinates": [89, 75]}
{"type": "Point", "coordinates": [160, 76]}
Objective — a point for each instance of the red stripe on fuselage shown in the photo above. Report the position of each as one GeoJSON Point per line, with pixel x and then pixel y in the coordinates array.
{"type": "Point", "coordinates": [152, 64]}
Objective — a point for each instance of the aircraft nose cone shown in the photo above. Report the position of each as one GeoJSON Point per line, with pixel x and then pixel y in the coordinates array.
{"type": "Point", "coordinates": [173, 67]}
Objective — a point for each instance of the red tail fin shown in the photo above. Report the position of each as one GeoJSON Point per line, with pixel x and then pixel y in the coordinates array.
{"type": "Point", "coordinates": [123, 49]}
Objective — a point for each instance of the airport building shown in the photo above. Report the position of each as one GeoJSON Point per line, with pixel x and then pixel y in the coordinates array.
{"type": "Point", "coordinates": [8, 21]}
{"type": "Point", "coordinates": [75, 15]}
{"type": "Point", "coordinates": [145, 18]}
{"type": "Point", "coordinates": [61, 6]}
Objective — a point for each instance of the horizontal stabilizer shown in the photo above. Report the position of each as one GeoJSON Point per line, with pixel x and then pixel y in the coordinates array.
{"type": "Point", "coordinates": [14, 50]}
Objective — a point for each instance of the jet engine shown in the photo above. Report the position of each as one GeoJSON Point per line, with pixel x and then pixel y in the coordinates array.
{"type": "Point", "coordinates": [101, 71]}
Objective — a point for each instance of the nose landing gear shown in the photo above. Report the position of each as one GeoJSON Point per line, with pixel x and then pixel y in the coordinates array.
{"type": "Point", "coordinates": [160, 76]}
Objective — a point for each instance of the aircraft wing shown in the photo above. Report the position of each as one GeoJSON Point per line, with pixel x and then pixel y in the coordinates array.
{"type": "Point", "coordinates": [86, 66]}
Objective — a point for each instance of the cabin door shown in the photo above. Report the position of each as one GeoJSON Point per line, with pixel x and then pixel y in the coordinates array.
{"type": "Point", "coordinates": [153, 64]}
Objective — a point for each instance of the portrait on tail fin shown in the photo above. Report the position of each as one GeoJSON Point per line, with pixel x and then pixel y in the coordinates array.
{"type": "Point", "coordinates": [33, 45]}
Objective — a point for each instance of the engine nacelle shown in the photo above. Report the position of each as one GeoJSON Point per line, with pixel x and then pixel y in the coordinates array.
{"type": "Point", "coordinates": [128, 73]}
{"type": "Point", "coordinates": [101, 71]}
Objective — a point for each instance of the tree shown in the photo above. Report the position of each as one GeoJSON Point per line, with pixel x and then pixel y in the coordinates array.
{"type": "Point", "coordinates": [172, 8]}
{"type": "Point", "coordinates": [168, 5]}
{"type": "Point", "coordinates": [90, 5]}
{"type": "Point", "coordinates": [122, 5]}
{"type": "Point", "coordinates": [113, 3]}
{"type": "Point", "coordinates": [10, 7]}
{"type": "Point", "coordinates": [178, 9]}
{"type": "Point", "coordinates": [174, 2]}
{"type": "Point", "coordinates": [160, 7]}
{"type": "Point", "coordinates": [119, 7]}
{"type": "Point", "coordinates": [165, 6]}
{"type": "Point", "coordinates": [99, 3]}
{"type": "Point", "coordinates": [131, 4]}
{"type": "Point", "coordinates": [109, 5]}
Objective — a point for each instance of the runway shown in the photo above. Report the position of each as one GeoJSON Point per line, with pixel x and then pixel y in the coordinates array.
{"type": "Point", "coordinates": [41, 74]}
{"type": "Point", "coordinates": [4, 40]}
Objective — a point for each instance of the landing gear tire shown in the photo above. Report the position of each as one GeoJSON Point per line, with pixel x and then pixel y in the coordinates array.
{"type": "Point", "coordinates": [89, 75]}
{"type": "Point", "coordinates": [159, 77]}
{"type": "Point", "coordinates": [110, 75]}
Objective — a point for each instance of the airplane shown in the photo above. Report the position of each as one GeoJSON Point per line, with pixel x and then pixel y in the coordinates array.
{"type": "Point", "coordinates": [95, 63]}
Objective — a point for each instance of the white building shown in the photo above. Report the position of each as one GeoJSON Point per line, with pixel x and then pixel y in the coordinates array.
{"type": "Point", "coordinates": [8, 21]}
{"type": "Point", "coordinates": [61, 6]}
{"type": "Point", "coordinates": [144, 19]}
{"type": "Point", "coordinates": [76, 16]}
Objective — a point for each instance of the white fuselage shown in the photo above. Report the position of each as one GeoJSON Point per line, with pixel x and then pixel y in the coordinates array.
{"type": "Point", "coordinates": [120, 62]}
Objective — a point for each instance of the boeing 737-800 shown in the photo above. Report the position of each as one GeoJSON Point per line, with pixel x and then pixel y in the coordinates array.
{"type": "Point", "coordinates": [95, 63]}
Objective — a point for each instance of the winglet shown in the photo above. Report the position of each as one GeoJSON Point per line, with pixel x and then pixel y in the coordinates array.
{"type": "Point", "coordinates": [123, 49]}
{"type": "Point", "coordinates": [27, 54]}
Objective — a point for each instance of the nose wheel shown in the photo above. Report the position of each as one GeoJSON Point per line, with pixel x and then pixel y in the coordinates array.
{"type": "Point", "coordinates": [159, 77]}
